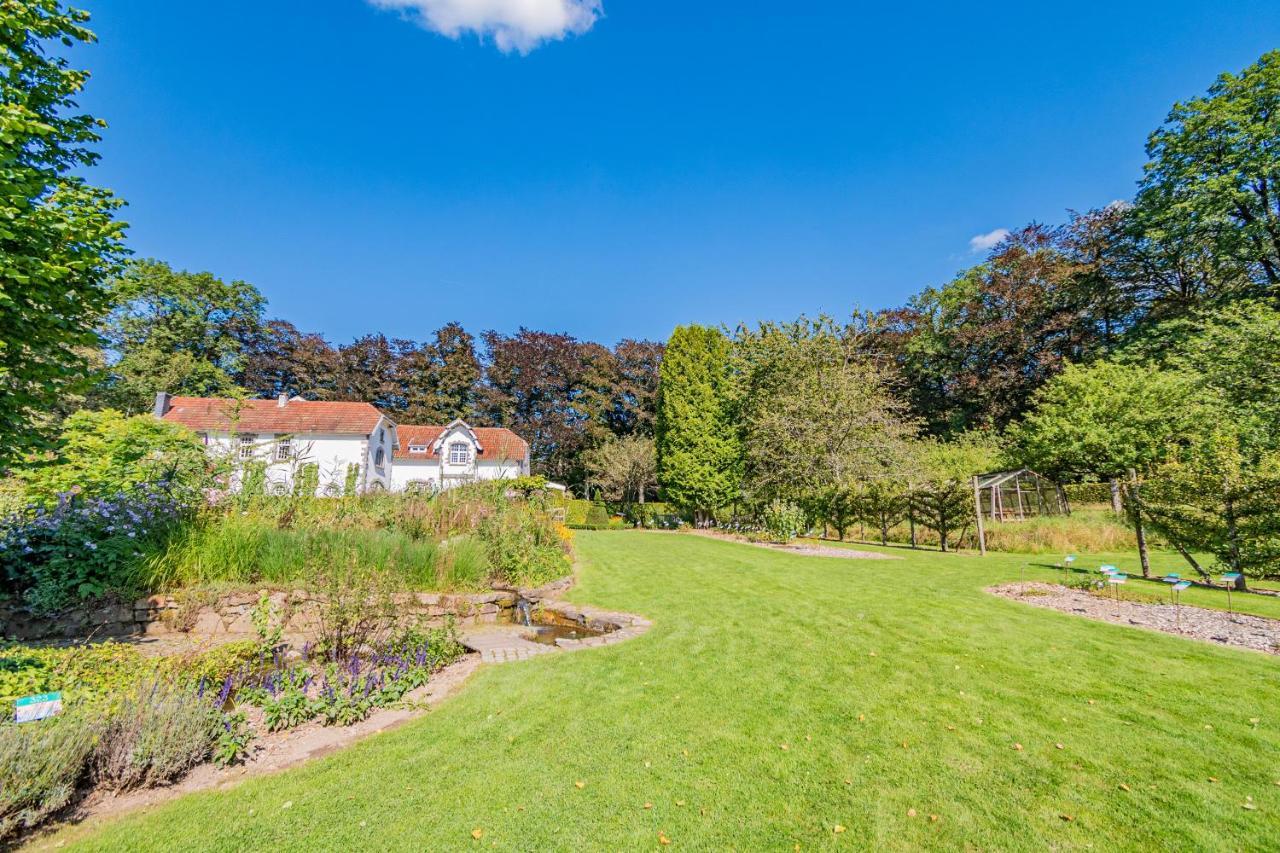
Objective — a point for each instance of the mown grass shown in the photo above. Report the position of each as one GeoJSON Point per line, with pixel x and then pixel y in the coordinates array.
{"type": "Point", "coordinates": [779, 696]}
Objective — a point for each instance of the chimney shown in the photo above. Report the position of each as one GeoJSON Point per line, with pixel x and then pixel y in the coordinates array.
{"type": "Point", "coordinates": [162, 404]}
{"type": "Point", "coordinates": [282, 400]}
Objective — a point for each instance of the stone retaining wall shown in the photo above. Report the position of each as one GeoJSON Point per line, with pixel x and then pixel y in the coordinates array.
{"type": "Point", "coordinates": [231, 614]}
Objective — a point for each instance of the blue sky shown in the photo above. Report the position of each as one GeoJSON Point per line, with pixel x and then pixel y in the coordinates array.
{"type": "Point", "coordinates": [663, 162]}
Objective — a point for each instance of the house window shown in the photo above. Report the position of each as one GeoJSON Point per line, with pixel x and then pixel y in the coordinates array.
{"type": "Point", "coordinates": [378, 457]}
{"type": "Point", "coordinates": [284, 448]}
{"type": "Point", "coordinates": [246, 447]}
{"type": "Point", "coordinates": [417, 448]}
{"type": "Point", "coordinates": [459, 453]}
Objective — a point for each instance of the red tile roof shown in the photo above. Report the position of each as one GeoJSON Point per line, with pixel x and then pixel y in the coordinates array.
{"type": "Point", "coordinates": [496, 443]}
{"type": "Point", "coordinates": [294, 417]}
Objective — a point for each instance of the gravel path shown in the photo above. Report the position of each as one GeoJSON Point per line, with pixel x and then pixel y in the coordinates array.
{"type": "Point", "coordinates": [1215, 626]}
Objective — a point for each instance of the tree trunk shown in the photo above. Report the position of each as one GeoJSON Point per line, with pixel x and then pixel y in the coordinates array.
{"type": "Point", "coordinates": [1233, 536]}
{"type": "Point", "coordinates": [911, 524]}
{"type": "Point", "coordinates": [1135, 507]}
{"type": "Point", "coordinates": [1115, 497]}
{"type": "Point", "coordinates": [1186, 555]}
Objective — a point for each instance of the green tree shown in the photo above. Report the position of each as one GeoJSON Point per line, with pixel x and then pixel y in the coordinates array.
{"type": "Point", "coordinates": [815, 412]}
{"type": "Point", "coordinates": [1111, 421]}
{"type": "Point", "coordinates": [942, 477]}
{"type": "Point", "coordinates": [625, 468]}
{"type": "Point", "coordinates": [101, 453]}
{"type": "Point", "coordinates": [59, 242]}
{"type": "Point", "coordinates": [1217, 495]}
{"type": "Point", "coordinates": [177, 331]}
{"type": "Point", "coordinates": [1213, 179]}
{"type": "Point", "coordinates": [699, 455]}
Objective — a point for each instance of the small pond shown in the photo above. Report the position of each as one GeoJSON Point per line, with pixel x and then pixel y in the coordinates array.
{"type": "Point", "coordinates": [548, 634]}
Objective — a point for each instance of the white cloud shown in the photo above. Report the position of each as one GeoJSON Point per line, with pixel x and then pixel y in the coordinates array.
{"type": "Point", "coordinates": [983, 242]}
{"type": "Point", "coordinates": [514, 25]}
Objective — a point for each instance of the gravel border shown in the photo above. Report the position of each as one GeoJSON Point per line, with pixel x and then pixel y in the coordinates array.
{"type": "Point", "coordinates": [1199, 623]}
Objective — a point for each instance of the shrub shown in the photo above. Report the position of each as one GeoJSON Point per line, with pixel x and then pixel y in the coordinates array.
{"type": "Point", "coordinates": [782, 521]}
{"type": "Point", "coordinates": [102, 453]}
{"type": "Point", "coordinates": [85, 548]}
{"type": "Point", "coordinates": [159, 732]}
{"type": "Point", "coordinates": [41, 764]}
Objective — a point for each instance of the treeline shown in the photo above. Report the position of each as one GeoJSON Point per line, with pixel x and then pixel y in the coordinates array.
{"type": "Point", "coordinates": [1137, 343]}
{"type": "Point", "coordinates": [195, 334]}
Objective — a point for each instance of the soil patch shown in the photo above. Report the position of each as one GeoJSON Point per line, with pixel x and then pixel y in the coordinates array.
{"type": "Point", "coordinates": [1214, 626]}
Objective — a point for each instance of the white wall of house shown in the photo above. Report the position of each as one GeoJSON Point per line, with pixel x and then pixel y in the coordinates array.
{"type": "Point", "coordinates": [442, 472]}
{"type": "Point", "coordinates": [333, 454]}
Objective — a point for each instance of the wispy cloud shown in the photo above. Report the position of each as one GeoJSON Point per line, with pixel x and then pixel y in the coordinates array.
{"type": "Point", "coordinates": [514, 25]}
{"type": "Point", "coordinates": [983, 242]}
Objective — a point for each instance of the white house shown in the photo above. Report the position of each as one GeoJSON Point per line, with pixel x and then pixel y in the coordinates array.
{"type": "Point", "coordinates": [435, 457]}
{"type": "Point", "coordinates": [348, 443]}
{"type": "Point", "coordinates": [345, 444]}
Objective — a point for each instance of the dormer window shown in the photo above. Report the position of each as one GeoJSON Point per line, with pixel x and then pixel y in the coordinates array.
{"type": "Point", "coordinates": [417, 448]}
{"type": "Point", "coordinates": [459, 453]}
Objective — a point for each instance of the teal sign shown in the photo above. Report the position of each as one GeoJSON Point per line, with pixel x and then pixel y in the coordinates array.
{"type": "Point", "coordinates": [1181, 585]}
{"type": "Point", "coordinates": [1117, 578]}
{"type": "Point", "coordinates": [31, 708]}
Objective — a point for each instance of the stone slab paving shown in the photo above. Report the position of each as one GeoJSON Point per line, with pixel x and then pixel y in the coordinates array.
{"type": "Point", "coordinates": [501, 643]}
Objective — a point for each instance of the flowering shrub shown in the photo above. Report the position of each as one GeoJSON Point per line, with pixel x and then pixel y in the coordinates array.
{"type": "Point", "coordinates": [83, 548]}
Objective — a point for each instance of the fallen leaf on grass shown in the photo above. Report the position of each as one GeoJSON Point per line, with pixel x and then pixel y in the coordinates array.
{"type": "Point", "coordinates": [579, 785]}
{"type": "Point", "coordinates": [784, 747]}
{"type": "Point", "coordinates": [837, 829]}
{"type": "Point", "coordinates": [1068, 818]}
{"type": "Point", "coordinates": [861, 717]}
{"type": "Point", "coordinates": [288, 804]}
{"type": "Point", "coordinates": [1124, 787]}
{"type": "Point", "coordinates": [1250, 806]}
{"type": "Point", "coordinates": [1213, 778]}
{"type": "Point", "coordinates": [679, 802]}
{"type": "Point", "coordinates": [477, 833]}
{"type": "Point", "coordinates": [911, 812]}
{"type": "Point", "coordinates": [663, 840]}
{"type": "Point", "coordinates": [1018, 747]}
{"type": "Point", "coordinates": [806, 737]}
{"type": "Point", "coordinates": [850, 782]}
{"type": "Point", "coordinates": [1059, 746]}
{"type": "Point", "coordinates": [951, 728]}
{"type": "Point", "coordinates": [648, 805]}
{"type": "Point", "coordinates": [933, 818]}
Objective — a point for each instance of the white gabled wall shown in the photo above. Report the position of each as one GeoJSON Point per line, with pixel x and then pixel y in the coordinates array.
{"type": "Point", "coordinates": [333, 454]}
{"type": "Point", "coordinates": [438, 472]}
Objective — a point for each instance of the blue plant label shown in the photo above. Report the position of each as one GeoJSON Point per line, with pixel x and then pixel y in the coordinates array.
{"type": "Point", "coordinates": [1231, 576]}
{"type": "Point", "coordinates": [1118, 578]}
{"type": "Point", "coordinates": [1107, 570]}
{"type": "Point", "coordinates": [1070, 558]}
{"type": "Point", "coordinates": [31, 708]}
{"type": "Point", "coordinates": [1181, 585]}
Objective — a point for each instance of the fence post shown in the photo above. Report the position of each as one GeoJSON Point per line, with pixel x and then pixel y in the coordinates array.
{"type": "Point", "coordinates": [977, 510]}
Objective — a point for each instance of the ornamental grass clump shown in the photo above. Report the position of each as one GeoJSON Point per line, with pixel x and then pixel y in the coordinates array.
{"type": "Point", "coordinates": [41, 764]}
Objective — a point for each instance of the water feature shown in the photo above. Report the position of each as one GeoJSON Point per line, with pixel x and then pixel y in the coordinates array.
{"type": "Point", "coordinates": [522, 607]}
{"type": "Point", "coordinates": [548, 634]}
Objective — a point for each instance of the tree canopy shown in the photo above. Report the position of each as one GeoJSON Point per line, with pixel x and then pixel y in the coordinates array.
{"type": "Point", "coordinates": [59, 241]}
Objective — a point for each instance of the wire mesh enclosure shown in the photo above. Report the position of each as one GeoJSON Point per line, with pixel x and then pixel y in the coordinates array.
{"type": "Point", "coordinates": [1019, 495]}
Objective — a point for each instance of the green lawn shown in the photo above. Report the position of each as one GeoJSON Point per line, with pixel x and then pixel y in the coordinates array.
{"type": "Point", "coordinates": [898, 689]}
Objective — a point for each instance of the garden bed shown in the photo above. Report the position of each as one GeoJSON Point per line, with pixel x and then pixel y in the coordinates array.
{"type": "Point", "coordinates": [276, 751]}
{"type": "Point", "coordinates": [1216, 626]}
